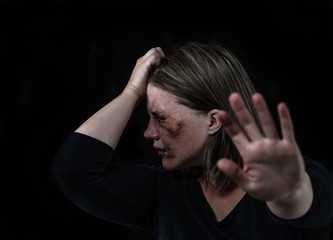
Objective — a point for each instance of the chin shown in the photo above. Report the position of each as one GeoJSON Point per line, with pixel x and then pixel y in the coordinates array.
{"type": "Point", "coordinates": [167, 165]}
{"type": "Point", "coordinates": [171, 166]}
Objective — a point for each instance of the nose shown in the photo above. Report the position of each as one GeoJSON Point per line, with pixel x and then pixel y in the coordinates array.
{"type": "Point", "coordinates": [151, 131]}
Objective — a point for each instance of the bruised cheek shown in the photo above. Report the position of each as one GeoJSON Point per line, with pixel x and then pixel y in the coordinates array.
{"type": "Point", "coordinates": [174, 128]}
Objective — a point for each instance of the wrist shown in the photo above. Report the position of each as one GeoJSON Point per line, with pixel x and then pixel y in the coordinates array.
{"type": "Point", "coordinates": [134, 94]}
{"type": "Point", "coordinates": [295, 204]}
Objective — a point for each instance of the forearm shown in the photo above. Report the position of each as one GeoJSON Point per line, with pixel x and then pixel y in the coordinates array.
{"type": "Point", "coordinates": [108, 123]}
{"type": "Point", "coordinates": [297, 204]}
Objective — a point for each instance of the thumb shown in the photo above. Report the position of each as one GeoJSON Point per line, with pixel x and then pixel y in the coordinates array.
{"type": "Point", "coordinates": [232, 170]}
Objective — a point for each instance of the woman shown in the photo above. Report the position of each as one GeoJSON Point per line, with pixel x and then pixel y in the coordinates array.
{"type": "Point", "coordinates": [226, 172]}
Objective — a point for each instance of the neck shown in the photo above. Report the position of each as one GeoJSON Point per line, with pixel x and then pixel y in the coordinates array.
{"type": "Point", "coordinates": [210, 185]}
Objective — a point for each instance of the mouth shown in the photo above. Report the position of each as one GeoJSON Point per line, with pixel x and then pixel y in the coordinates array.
{"type": "Point", "coordinates": [160, 151]}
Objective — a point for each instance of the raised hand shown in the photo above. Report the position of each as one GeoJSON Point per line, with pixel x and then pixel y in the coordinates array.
{"type": "Point", "coordinates": [140, 73]}
{"type": "Point", "coordinates": [273, 167]}
{"type": "Point", "coordinates": [108, 123]}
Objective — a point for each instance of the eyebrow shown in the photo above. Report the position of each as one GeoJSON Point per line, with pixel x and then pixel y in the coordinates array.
{"type": "Point", "coordinates": [154, 113]}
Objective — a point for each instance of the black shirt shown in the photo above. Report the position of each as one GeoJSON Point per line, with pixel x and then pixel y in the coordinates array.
{"type": "Point", "coordinates": [172, 205]}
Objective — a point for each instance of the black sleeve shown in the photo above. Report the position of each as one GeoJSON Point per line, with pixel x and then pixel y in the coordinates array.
{"type": "Point", "coordinates": [321, 211]}
{"type": "Point", "coordinates": [117, 192]}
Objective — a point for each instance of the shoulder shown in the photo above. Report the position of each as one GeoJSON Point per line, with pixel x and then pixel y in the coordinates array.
{"type": "Point", "coordinates": [316, 168]}
{"type": "Point", "coordinates": [321, 178]}
{"type": "Point", "coordinates": [322, 184]}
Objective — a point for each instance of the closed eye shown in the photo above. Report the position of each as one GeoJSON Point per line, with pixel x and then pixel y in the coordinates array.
{"type": "Point", "coordinates": [160, 119]}
{"type": "Point", "coordinates": [157, 116]}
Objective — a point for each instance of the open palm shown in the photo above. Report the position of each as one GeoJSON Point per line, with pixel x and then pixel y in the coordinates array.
{"type": "Point", "coordinates": [273, 166]}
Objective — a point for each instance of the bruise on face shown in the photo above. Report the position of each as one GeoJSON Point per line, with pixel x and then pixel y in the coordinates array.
{"type": "Point", "coordinates": [175, 123]}
{"type": "Point", "coordinates": [174, 127]}
{"type": "Point", "coordinates": [168, 113]}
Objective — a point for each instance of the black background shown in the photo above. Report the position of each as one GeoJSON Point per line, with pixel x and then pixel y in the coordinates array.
{"type": "Point", "coordinates": [62, 61]}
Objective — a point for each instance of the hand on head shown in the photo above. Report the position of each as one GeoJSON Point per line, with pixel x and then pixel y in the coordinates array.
{"type": "Point", "coordinates": [140, 73]}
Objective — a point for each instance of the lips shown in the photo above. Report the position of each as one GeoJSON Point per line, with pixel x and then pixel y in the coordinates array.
{"type": "Point", "coordinates": [160, 151]}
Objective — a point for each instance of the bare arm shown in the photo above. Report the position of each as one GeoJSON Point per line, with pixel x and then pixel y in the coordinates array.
{"type": "Point", "coordinates": [109, 122]}
{"type": "Point", "coordinates": [273, 166]}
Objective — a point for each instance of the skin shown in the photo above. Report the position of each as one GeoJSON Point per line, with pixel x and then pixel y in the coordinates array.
{"type": "Point", "coordinates": [273, 165]}
{"type": "Point", "coordinates": [273, 168]}
{"type": "Point", "coordinates": [171, 127]}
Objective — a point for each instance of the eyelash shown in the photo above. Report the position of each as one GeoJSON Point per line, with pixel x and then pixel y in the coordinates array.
{"type": "Point", "coordinates": [159, 119]}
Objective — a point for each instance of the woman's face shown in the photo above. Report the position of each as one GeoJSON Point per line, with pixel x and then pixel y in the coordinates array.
{"type": "Point", "coordinates": [179, 133]}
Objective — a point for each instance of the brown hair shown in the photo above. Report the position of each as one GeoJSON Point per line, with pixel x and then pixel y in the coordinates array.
{"type": "Point", "coordinates": [203, 76]}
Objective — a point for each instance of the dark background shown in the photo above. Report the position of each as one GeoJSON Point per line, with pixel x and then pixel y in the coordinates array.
{"type": "Point", "coordinates": [62, 61]}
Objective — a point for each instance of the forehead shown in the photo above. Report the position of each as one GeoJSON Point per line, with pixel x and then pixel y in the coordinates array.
{"type": "Point", "coordinates": [159, 100]}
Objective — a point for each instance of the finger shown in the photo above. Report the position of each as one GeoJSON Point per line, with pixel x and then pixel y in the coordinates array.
{"type": "Point", "coordinates": [244, 117]}
{"type": "Point", "coordinates": [159, 49]}
{"type": "Point", "coordinates": [233, 171]}
{"type": "Point", "coordinates": [267, 123]}
{"type": "Point", "coordinates": [142, 68]}
{"type": "Point", "coordinates": [151, 59]}
{"type": "Point", "coordinates": [287, 128]}
{"type": "Point", "coordinates": [156, 56]}
{"type": "Point", "coordinates": [155, 52]}
{"type": "Point", "coordinates": [234, 131]}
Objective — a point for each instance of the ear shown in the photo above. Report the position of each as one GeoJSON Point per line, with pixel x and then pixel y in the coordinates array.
{"type": "Point", "coordinates": [215, 121]}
